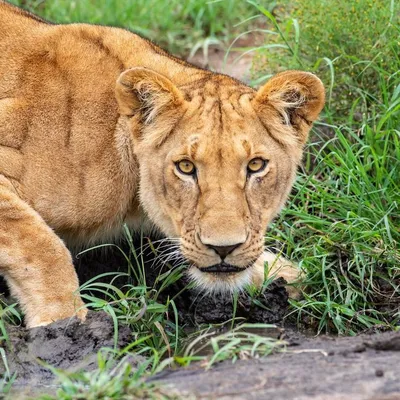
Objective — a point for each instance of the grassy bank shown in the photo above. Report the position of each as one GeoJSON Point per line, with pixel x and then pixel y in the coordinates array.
{"type": "Point", "coordinates": [342, 220]}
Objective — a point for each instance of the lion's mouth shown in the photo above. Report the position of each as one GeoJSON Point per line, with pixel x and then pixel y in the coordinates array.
{"type": "Point", "coordinates": [223, 268]}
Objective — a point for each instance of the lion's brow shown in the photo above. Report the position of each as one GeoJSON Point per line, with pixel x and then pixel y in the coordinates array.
{"type": "Point", "coordinates": [247, 147]}
{"type": "Point", "coordinates": [193, 149]}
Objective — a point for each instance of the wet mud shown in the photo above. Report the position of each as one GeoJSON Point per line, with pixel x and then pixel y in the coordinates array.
{"type": "Point", "coordinates": [366, 367]}
{"type": "Point", "coordinates": [67, 344]}
{"type": "Point", "coordinates": [268, 307]}
{"type": "Point", "coordinates": [363, 367]}
{"type": "Point", "coordinates": [72, 346]}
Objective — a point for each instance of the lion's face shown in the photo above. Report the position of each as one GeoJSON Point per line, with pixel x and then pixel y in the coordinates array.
{"type": "Point", "coordinates": [217, 161]}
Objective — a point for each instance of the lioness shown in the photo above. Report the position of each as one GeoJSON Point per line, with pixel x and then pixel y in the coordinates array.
{"type": "Point", "coordinates": [99, 126]}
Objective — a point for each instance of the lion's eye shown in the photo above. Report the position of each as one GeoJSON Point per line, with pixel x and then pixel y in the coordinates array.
{"type": "Point", "coordinates": [186, 167]}
{"type": "Point", "coordinates": [256, 165]}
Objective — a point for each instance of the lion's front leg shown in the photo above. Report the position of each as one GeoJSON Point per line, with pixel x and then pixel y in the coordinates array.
{"type": "Point", "coordinates": [278, 267]}
{"type": "Point", "coordinates": [35, 263]}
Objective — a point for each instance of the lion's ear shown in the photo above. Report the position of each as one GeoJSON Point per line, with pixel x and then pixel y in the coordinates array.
{"type": "Point", "coordinates": [146, 91]}
{"type": "Point", "coordinates": [152, 98]}
{"type": "Point", "coordinates": [298, 98]}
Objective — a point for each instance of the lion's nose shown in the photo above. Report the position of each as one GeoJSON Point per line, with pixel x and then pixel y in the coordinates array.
{"type": "Point", "coordinates": [223, 251]}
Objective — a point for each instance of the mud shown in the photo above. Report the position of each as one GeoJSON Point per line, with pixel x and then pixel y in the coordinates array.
{"type": "Point", "coordinates": [366, 367]}
{"type": "Point", "coordinates": [355, 368]}
{"type": "Point", "coordinates": [269, 307]}
{"type": "Point", "coordinates": [67, 344]}
{"type": "Point", "coordinates": [71, 346]}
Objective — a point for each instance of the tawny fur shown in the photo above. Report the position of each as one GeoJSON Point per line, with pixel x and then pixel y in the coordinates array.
{"type": "Point", "coordinates": [92, 122]}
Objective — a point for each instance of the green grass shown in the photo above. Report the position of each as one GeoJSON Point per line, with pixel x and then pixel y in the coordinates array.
{"type": "Point", "coordinates": [9, 314]}
{"type": "Point", "coordinates": [342, 225]}
{"type": "Point", "coordinates": [112, 380]}
{"type": "Point", "coordinates": [342, 221]}
{"type": "Point", "coordinates": [177, 25]}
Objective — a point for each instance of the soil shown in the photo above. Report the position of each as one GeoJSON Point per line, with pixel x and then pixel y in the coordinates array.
{"type": "Point", "coordinates": [366, 367]}
{"type": "Point", "coordinates": [67, 344]}
{"type": "Point", "coordinates": [71, 346]}
{"type": "Point", "coordinates": [236, 63]}
{"type": "Point", "coordinates": [363, 367]}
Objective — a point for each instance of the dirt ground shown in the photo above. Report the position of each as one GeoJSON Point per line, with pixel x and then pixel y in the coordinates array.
{"type": "Point", "coordinates": [236, 63]}
{"type": "Point", "coordinates": [363, 367]}
{"type": "Point", "coordinates": [68, 345]}
{"type": "Point", "coordinates": [366, 367]}
{"type": "Point", "coordinates": [72, 346]}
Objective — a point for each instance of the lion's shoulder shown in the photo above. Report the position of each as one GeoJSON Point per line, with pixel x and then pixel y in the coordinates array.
{"type": "Point", "coordinates": [8, 11]}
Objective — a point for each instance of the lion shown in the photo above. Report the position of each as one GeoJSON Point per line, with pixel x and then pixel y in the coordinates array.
{"type": "Point", "coordinates": [100, 127]}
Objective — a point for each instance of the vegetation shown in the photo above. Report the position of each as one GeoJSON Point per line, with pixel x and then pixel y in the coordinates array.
{"type": "Point", "coordinates": [112, 380]}
{"type": "Point", "coordinates": [343, 217]}
{"type": "Point", "coordinates": [342, 221]}
{"type": "Point", "coordinates": [177, 25]}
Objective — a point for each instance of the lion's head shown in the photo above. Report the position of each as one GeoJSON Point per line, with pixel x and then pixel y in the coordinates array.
{"type": "Point", "coordinates": [217, 161]}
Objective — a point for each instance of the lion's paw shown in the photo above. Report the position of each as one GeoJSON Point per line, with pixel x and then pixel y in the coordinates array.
{"type": "Point", "coordinates": [278, 267]}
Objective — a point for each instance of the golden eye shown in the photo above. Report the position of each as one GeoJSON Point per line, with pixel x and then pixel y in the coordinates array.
{"type": "Point", "coordinates": [186, 167]}
{"type": "Point", "coordinates": [256, 165]}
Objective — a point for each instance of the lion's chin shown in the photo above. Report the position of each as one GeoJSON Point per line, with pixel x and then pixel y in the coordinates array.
{"type": "Point", "coordinates": [220, 282]}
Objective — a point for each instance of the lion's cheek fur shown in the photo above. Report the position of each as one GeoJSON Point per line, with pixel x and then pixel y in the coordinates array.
{"type": "Point", "coordinates": [164, 202]}
{"type": "Point", "coordinates": [266, 197]}
{"type": "Point", "coordinates": [157, 211]}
